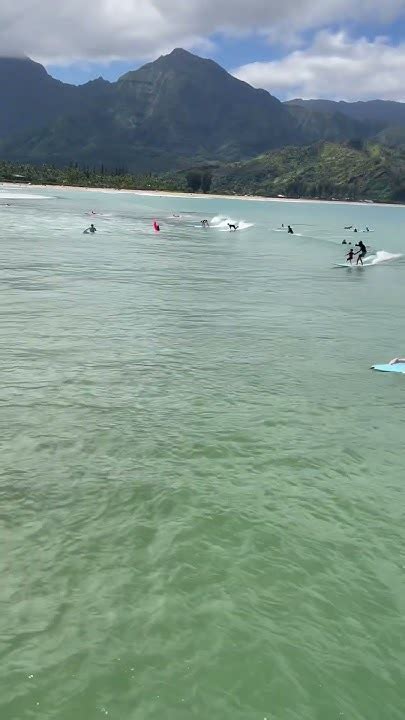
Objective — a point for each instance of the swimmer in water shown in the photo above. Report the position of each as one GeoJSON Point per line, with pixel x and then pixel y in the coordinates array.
{"type": "Point", "coordinates": [90, 229]}
{"type": "Point", "coordinates": [362, 252]}
{"type": "Point", "coordinates": [344, 242]}
{"type": "Point", "coordinates": [156, 226]}
{"type": "Point", "coordinates": [290, 230]}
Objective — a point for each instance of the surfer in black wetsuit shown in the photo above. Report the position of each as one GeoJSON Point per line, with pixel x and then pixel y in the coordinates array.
{"type": "Point", "coordinates": [290, 230]}
{"type": "Point", "coordinates": [362, 252]}
{"type": "Point", "coordinates": [232, 226]}
{"type": "Point", "coordinates": [91, 229]}
{"type": "Point", "coordinates": [344, 242]}
{"type": "Point", "coordinates": [205, 223]}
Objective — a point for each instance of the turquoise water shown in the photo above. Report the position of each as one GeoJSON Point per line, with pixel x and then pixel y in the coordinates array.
{"type": "Point", "coordinates": [202, 482]}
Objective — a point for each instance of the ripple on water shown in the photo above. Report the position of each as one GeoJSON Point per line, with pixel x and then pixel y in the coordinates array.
{"type": "Point", "coordinates": [202, 483]}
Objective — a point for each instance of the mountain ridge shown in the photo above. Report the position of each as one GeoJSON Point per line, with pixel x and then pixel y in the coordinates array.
{"type": "Point", "coordinates": [179, 105]}
{"type": "Point", "coordinates": [161, 115]}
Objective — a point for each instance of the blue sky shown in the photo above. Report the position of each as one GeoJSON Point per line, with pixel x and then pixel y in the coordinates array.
{"type": "Point", "coordinates": [227, 51]}
{"type": "Point", "coordinates": [306, 48]}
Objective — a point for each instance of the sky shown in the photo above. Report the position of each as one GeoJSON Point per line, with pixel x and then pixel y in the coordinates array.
{"type": "Point", "coordinates": [337, 49]}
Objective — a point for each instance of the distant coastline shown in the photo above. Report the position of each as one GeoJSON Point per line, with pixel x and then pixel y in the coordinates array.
{"type": "Point", "coordinates": [189, 195]}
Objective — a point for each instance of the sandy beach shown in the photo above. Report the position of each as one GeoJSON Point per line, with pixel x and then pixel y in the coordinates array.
{"type": "Point", "coordinates": [194, 196]}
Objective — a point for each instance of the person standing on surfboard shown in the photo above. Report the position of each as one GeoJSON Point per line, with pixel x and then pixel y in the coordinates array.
{"type": "Point", "coordinates": [362, 252]}
{"type": "Point", "coordinates": [350, 255]}
{"type": "Point", "coordinates": [290, 230]}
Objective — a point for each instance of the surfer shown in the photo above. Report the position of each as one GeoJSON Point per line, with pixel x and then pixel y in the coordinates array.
{"type": "Point", "coordinates": [355, 230]}
{"type": "Point", "coordinates": [348, 227]}
{"type": "Point", "coordinates": [395, 361]}
{"type": "Point", "coordinates": [350, 256]}
{"type": "Point", "coordinates": [205, 223]}
{"type": "Point", "coordinates": [344, 242]}
{"type": "Point", "coordinates": [290, 230]}
{"type": "Point", "coordinates": [90, 229]}
{"type": "Point", "coordinates": [232, 226]}
{"type": "Point", "coordinates": [361, 253]}
{"type": "Point", "coordinates": [367, 229]}
{"type": "Point", "coordinates": [156, 226]}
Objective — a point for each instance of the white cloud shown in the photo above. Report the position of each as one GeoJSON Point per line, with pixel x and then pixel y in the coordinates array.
{"type": "Point", "coordinates": [334, 66]}
{"type": "Point", "coordinates": [76, 30]}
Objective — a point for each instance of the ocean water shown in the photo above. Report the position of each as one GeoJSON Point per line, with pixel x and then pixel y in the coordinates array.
{"type": "Point", "coordinates": [202, 483]}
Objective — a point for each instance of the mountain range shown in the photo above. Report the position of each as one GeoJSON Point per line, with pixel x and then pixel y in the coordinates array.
{"type": "Point", "coordinates": [176, 111]}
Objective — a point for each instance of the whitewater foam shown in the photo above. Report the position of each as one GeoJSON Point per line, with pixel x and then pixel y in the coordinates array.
{"type": "Point", "coordinates": [381, 256]}
{"type": "Point", "coordinates": [23, 196]}
{"type": "Point", "coordinates": [221, 223]}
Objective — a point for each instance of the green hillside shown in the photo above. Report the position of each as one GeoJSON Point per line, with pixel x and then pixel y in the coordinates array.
{"type": "Point", "coordinates": [326, 170]}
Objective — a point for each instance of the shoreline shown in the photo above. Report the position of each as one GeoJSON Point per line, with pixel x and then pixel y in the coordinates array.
{"type": "Point", "coordinates": [194, 196]}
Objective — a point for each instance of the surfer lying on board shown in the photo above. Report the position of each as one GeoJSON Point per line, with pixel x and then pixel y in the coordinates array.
{"type": "Point", "coordinates": [232, 226]}
{"type": "Point", "coordinates": [362, 252]}
{"type": "Point", "coordinates": [350, 255]}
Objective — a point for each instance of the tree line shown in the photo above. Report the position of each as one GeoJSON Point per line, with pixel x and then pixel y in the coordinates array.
{"type": "Point", "coordinates": [119, 178]}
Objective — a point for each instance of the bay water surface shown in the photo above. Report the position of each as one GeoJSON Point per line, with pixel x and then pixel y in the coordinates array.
{"type": "Point", "coordinates": [202, 486]}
